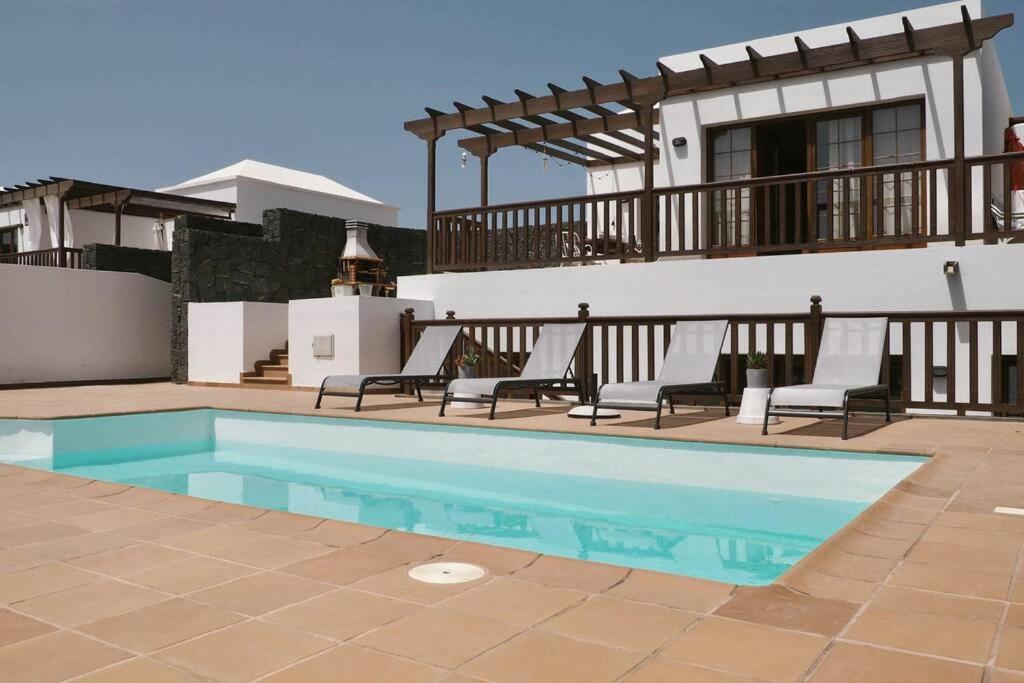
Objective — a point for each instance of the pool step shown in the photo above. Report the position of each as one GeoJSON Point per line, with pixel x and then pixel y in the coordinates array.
{"type": "Point", "coordinates": [269, 373]}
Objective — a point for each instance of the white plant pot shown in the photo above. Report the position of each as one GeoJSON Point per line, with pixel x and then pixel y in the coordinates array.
{"type": "Point", "coordinates": [466, 372]}
{"type": "Point", "coordinates": [341, 290]}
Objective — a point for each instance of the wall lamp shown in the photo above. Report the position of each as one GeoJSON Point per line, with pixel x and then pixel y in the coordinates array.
{"type": "Point", "coordinates": [951, 268]}
{"type": "Point", "coordinates": [679, 142]}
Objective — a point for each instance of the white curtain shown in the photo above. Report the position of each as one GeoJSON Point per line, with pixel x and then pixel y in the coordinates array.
{"type": "Point", "coordinates": [159, 235]}
{"type": "Point", "coordinates": [53, 205]}
{"type": "Point", "coordinates": [34, 236]}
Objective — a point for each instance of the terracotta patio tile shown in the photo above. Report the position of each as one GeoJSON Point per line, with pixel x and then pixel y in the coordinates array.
{"type": "Point", "coordinates": [55, 657]}
{"type": "Point", "coordinates": [359, 664]}
{"type": "Point", "coordinates": [494, 559]}
{"type": "Point", "coordinates": [1011, 648]}
{"type": "Point", "coordinates": [244, 651]}
{"type": "Point", "coordinates": [131, 559]}
{"type": "Point", "coordinates": [161, 527]}
{"type": "Point", "coordinates": [783, 607]}
{"type": "Point", "coordinates": [407, 547]}
{"type": "Point", "coordinates": [944, 579]}
{"type": "Point", "coordinates": [905, 599]}
{"type": "Point", "coordinates": [343, 613]}
{"type": "Point", "coordinates": [159, 625]}
{"type": "Point", "coordinates": [901, 626]}
{"type": "Point", "coordinates": [540, 657]}
{"type": "Point", "coordinates": [190, 575]}
{"type": "Point", "coordinates": [838, 563]}
{"type": "Point", "coordinates": [83, 604]}
{"type": "Point", "coordinates": [272, 552]}
{"type": "Point", "coordinates": [13, 520]}
{"type": "Point", "coordinates": [281, 523]}
{"type": "Point", "coordinates": [225, 513]}
{"type": "Point", "coordinates": [41, 580]}
{"type": "Point", "coordinates": [684, 592]}
{"type": "Point", "coordinates": [1017, 590]}
{"type": "Point", "coordinates": [212, 539]}
{"type": "Point", "coordinates": [892, 513]}
{"type": "Point", "coordinates": [16, 560]}
{"type": "Point", "coordinates": [991, 560]}
{"type": "Point", "coordinates": [397, 583]}
{"type": "Point", "coordinates": [114, 518]}
{"type": "Point", "coordinates": [966, 520]}
{"type": "Point", "coordinates": [1004, 676]}
{"type": "Point", "coordinates": [16, 627]}
{"type": "Point", "coordinates": [139, 670]}
{"type": "Point", "coordinates": [438, 636]}
{"type": "Point", "coordinates": [260, 593]}
{"type": "Point", "coordinates": [341, 567]}
{"type": "Point", "coordinates": [763, 652]}
{"type": "Point", "coordinates": [659, 670]}
{"type": "Point", "coordinates": [520, 603]}
{"type": "Point", "coordinates": [340, 534]}
{"type": "Point", "coordinates": [973, 538]}
{"type": "Point", "coordinates": [98, 489]}
{"type": "Point", "coordinates": [850, 662]}
{"type": "Point", "coordinates": [180, 505]}
{"type": "Point", "coordinates": [563, 572]}
{"type": "Point", "coordinates": [78, 546]}
{"type": "Point", "coordinates": [135, 497]}
{"type": "Point", "coordinates": [72, 508]}
{"type": "Point", "coordinates": [25, 501]}
{"type": "Point", "coordinates": [857, 543]}
{"type": "Point", "coordinates": [37, 533]}
{"type": "Point", "coordinates": [619, 623]}
{"type": "Point", "coordinates": [820, 585]}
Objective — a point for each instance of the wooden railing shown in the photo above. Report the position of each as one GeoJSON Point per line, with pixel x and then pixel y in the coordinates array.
{"type": "Point", "coordinates": [856, 208]}
{"type": "Point", "coordinates": [45, 257]}
{"type": "Point", "coordinates": [979, 354]}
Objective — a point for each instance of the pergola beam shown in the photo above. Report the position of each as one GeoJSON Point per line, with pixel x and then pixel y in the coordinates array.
{"type": "Point", "coordinates": [946, 40]}
{"type": "Point", "coordinates": [549, 133]}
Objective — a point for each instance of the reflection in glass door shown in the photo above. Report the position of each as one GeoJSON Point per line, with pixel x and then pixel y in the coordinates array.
{"type": "Point", "coordinates": [838, 145]}
{"type": "Point", "coordinates": [730, 209]}
{"type": "Point", "coordinates": [896, 139]}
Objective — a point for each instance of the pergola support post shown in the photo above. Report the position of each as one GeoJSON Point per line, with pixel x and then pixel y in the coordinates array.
{"type": "Point", "coordinates": [961, 202]}
{"type": "Point", "coordinates": [484, 178]}
{"type": "Point", "coordinates": [118, 213]}
{"type": "Point", "coordinates": [62, 254]}
{"type": "Point", "coordinates": [647, 214]}
{"type": "Point", "coordinates": [431, 199]}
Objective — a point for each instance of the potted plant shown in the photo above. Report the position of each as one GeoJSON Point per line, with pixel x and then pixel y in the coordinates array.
{"type": "Point", "coordinates": [757, 370]}
{"type": "Point", "coordinates": [467, 362]}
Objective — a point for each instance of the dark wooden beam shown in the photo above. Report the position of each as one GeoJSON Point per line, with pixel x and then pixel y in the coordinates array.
{"type": "Point", "coordinates": [754, 57]}
{"type": "Point", "coordinates": [550, 133]}
{"type": "Point", "coordinates": [709, 68]}
{"type": "Point", "coordinates": [855, 42]}
{"type": "Point", "coordinates": [965, 17]}
{"type": "Point", "coordinates": [570, 115]}
{"type": "Point", "coordinates": [946, 40]}
{"type": "Point", "coordinates": [908, 31]}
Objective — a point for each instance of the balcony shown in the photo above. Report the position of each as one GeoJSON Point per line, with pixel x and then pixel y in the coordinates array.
{"type": "Point", "coordinates": [45, 257]}
{"type": "Point", "coordinates": [901, 205]}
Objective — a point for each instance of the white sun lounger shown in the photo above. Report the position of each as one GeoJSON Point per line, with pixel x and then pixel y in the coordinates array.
{"type": "Point", "coordinates": [424, 365]}
{"type": "Point", "coordinates": [547, 367]}
{"type": "Point", "coordinates": [848, 365]}
{"type": "Point", "coordinates": [688, 368]}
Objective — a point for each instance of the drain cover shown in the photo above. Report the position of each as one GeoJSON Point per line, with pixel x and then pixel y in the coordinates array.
{"type": "Point", "coordinates": [446, 572]}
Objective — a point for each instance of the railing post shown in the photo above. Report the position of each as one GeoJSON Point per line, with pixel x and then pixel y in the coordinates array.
{"type": "Point", "coordinates": [449, 315]}
{"type": "Point", "coordinates": [812, 338]}
{"type": "Point", "coordinates": [406, 342]}
{"type": "Point", "coordinates": [584, 355]}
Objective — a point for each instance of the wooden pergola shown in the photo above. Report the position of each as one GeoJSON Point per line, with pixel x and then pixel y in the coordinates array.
{"type": "Point", "coordinates": [120, 201]}
{"type": "Point", "coordinates": [578, 126]}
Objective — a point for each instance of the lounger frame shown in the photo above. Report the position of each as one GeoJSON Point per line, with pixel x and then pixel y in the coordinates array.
{"type": "Point", "coordinates": [382, 380]}
{"type": "Point", "coordinates": [669, 391]}
{"type": "Point", "coordinates": [566, 383]}
{"type": "Point", "coordinates": [853, 392]}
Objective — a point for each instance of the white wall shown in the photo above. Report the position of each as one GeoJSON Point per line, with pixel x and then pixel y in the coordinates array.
{"type": "Point", "coordinates": [366, 335]}
{"type": "Point", "coordinates": [94, 227]}
{"type": "Point", "coordinates": [63, 324]}
{"type": "Point", "coordinates": [227, 338]}
{"type": "Point", "coordinates": [986, 104]}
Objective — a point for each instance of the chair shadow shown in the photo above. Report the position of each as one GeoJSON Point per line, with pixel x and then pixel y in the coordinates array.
{"type": "Point", "coordinates": [668, 421]}
{"type": "Point", "coordinates": [833, 427]}
{"type": "Point", "coordinates": [397, 406]}
{"type": "Point", "coordinates": [515, 414]}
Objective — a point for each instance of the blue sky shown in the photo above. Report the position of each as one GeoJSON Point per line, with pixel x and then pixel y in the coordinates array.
{"type": "Point", "coordinates": [148, 94]}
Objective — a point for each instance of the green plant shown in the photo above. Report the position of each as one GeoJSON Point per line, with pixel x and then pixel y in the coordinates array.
{"type": "Point", "coordinates": [756, 360]}
{"type": "Point", "coordinates": [469, 359]}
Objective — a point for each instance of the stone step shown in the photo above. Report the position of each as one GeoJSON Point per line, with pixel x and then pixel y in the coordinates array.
{"type": "Point", "coordinates": [273, 370]}
{"type": "Point", "coordinates": [273, 379]}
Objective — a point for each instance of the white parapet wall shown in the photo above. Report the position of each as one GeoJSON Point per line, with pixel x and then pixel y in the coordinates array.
{"type": "Point", "coordinates": [365, 330]}
{"type": "Point", "coordinates": [69, 325]}
{"type": "Point", "coordinates": [226, 339]}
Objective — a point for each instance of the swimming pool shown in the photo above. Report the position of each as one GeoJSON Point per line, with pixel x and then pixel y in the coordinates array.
{"type": "Point", "coordinates": [730, 513]}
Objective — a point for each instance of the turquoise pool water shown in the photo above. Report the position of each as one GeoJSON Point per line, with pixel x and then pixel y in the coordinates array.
{"type": "Point", "coordinates": [730, 513]}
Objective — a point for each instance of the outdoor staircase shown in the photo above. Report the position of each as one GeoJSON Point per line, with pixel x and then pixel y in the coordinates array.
{"type": "Point", "coordinates": [271, 373]}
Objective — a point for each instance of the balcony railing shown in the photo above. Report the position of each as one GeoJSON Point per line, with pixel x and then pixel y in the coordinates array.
{"type": "Point", "coordinates": [856, 208]}
{"type": "Point", "coordinates": [45, 257]}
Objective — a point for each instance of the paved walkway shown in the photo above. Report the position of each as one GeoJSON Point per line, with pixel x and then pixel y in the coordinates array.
{"type": "Point", "coordinates": [106, 582]}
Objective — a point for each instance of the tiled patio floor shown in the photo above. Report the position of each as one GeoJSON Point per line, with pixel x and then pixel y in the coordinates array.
{"type": "Point", "coordinates": [103, 582]}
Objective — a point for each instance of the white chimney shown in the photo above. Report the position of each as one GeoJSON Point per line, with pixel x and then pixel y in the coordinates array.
{"type": "Point", "coordinates": [357, 246]}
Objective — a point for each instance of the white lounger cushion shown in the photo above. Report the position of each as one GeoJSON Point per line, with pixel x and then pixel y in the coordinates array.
{"type": "Point", "coordinates": [424, 361]}
{"type": "Point", "coordinates": [691, 359]}
{"type": "Point", "coordinates": [550, 360]}
{"type": "Point", "coordinates": [849, 357]}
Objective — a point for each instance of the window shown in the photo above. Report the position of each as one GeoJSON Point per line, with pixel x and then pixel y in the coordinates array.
{"type": "Point", "coordinates": [9, 240]}
{"type": "Point", "coordinates": [730, 209]}
{"type": "Point", "coordinates": [896, 139]}
{"type": "Point", "coordinates": [838, 145]}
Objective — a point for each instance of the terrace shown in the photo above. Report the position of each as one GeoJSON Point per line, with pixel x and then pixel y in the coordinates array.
{"type": "Point", "coordinates": [865, 192]}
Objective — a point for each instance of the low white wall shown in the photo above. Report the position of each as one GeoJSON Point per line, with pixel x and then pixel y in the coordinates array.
{"type": "Point", "coordinates": [227, 338]}
{"type": "Point", "coordinates": [366, 335]}
{"type": "Point", "coordinates": [66, 325]}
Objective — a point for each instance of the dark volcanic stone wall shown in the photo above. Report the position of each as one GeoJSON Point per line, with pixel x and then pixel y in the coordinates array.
{"type": "Point", "coordinates": [154, 263]}
{"type": "Point", "coordinates": [293, 255]}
